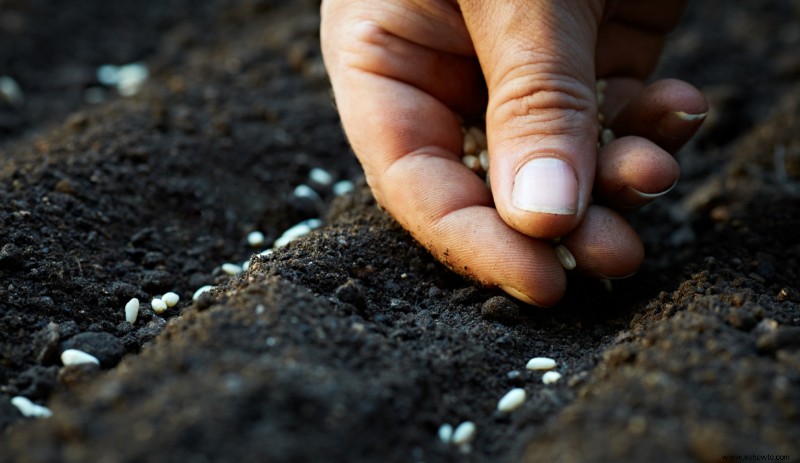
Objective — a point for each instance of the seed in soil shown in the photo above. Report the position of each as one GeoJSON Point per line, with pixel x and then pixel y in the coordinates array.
{"type": "Point", "coordinates": [301, 229]}
{"type": "Point", "coordinates": [445, 433]}
{"type": "Point", "coordinates": [231, 269]}
{"type": "Point", "coordinates": [10, 91]}
{"type": "Point", "coordinates": [464, 433]}
{"type": "Point", "coordinates": [158, 306]}
{"type": "Point", "coordinates": [77, 357]}
{"type": "Point", "coordinates": [305, 191]}
{"type": "Point", "coordinates": [171, 299]}
{"type": "Point", "coordinates": [132, 310]}
{"type": "Point", "coordinates": [551, 377]}
{"type": "Point", "coordinates": [342, 187]}
{"type": "Point", "coordinates": [565, 257]}
{"type": "Point", "coordinates": [512, 400]}
{"type": "Point", "coordinates": [541, 363]}
{"type": "Point", "coordinates": [320, 176]}
{"type": "Point", "coordinates": [255, 239]}
{"type": "Point", "coordinates": [30, 409]}
{"type": "Point", "coordinates": [200, 291]}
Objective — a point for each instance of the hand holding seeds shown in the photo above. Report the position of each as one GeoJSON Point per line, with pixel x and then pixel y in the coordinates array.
{"type": "Point", "coordinates": [414, 80]}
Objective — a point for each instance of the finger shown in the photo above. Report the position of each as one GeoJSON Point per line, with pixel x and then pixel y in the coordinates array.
{"type": "Point", "coordinates": [604, 245]}
{"type": "Point", "coordinates": [538, 62]}
{"type": "Point", "coordinates": [668, 112]}
{"type": "Point", "coordinates": [632, 171]}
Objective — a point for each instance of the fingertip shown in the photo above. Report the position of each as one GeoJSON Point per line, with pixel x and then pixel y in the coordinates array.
{"type": "Point", "coordinates": [605, 245]}
{"type": "Point", "coordinates": [633, 171]}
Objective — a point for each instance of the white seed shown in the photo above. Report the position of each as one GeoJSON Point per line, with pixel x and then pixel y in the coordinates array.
{"type": "Point", "coordinates": [342, 187]}
{"type": "Point", "coordinates": [479, 135]}
{"type": "Point", "coordinates": [77, 357]}
{"type": "Point", "coordinates": [255, 239]}
{"type": "Point", "coordinates": [565, 257]}
{"type": "Point", "coordinates": [301, 229]}
{"type": "Point", "coordinates": [551, 377]}
{"type": "Point", "coordinates": [132, 310]}
{"type": "Point", "coordinates": [512, 400]}
{"type": "Point", "coordinates": [464, 433]}
{"type": "Point", "coordinates": [30, 409]}
{"type": "Point", "coordinates": [483, 157]}
{"type": "Point", "coordinates": [600, 90]}
{"type": "Point", "coordinates": [445, 433]}
{"type": "Point", "coordinates": [471, 162]}
{"type": "Point", "coordinates": [607, 136]}
{"type": "Point", "coordinates": [470, 145]}
{"type": "Point", "coordinates": [320, 176]}
{"type": "Point", "coordinates": [200, 291]}
{"type": "Point", "coordinates": [10, 91]}
{"type": "Point", "coordinates": [171, 299]}
{"type": "Point", "coordinates": [305, 191]}
{"type": "Point", "coordinates": [541, 363]}
{"type": "Point", "coordinates": [231, 269]}
{"type": "Point", "coordinates": [266, 252]}
{"type": "Point", "coordinates": [158, 306]}
{"type": "Point", "coordinates": [130, 78]}
{"type": "Point", "coordinates": [245, 265]}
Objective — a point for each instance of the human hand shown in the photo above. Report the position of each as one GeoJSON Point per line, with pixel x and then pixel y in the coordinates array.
{"type": "Point", "coordinates": [406, 72]}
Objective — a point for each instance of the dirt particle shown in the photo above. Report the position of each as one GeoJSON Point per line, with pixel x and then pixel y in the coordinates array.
{"type": "Point", "coordinates": [500, 309]}
{"type": "Point", "coordinates": [787, 336]}
{"type": "Point", "coordinates": [352, 292]}
{"type": "Point", "coordinates": [11, 256]}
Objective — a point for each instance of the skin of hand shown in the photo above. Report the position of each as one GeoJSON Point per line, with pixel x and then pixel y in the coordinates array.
{"type": "Point", "coordinates": [406, 72]}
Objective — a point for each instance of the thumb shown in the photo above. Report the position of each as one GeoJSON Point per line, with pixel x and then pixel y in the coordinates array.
{"type": "Point", "coordinates": [538, 60]}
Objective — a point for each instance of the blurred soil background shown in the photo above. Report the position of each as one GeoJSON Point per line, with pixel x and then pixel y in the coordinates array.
{"type": "Point", "coordinates": [352, 343]}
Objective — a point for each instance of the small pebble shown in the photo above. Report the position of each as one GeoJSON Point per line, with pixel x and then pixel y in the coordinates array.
{"type": "Point", "coordinates": [551, 377]}
{"type": "Point", "coordinates": [30, 409]}
{"type": "Point", "coordinates": [464, 433]}
{"type": "Point", "coordinates": [255, 239]}
{"type": "Point", "coordinates": [342, 187]}
{"type": "Point", "coordinates": [541, 363]}
{"type": "Point", "coordinates": [200, 291]}
{"type": "Point", "coordinates": [231, 269]}
{"type": "Point", "coordinates": [320, 176]}
{"type": "Point", "coordinates": [77, 357]}
{"type": "Point", "coordinates": [512, 400]}
{"type": "Point", "coordinates": [132, 310]}
{"type": "Point", "coordinates": [171, 299]}
{"type": "Point", "coordinates": [445, 433]}
{"type": "Point", "coordinates": [158, 306]}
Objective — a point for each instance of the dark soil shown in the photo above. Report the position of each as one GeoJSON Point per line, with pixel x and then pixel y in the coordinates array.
{"type": "Point", "coordinates": [353, 344]}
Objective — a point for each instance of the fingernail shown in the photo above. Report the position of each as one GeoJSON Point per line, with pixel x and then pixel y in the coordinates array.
{"type": "Point", "coordinates": [675, 124]}
{"type": "Point", "coordinates": [649, 196]}
{"type": "Point", "coordinates": [518, 295]}
{"type": "Point", "coordinates": [546, 185]}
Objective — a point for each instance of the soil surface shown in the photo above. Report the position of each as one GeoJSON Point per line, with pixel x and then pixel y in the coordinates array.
{"type": "Point", "coordinates": [352, 343]}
